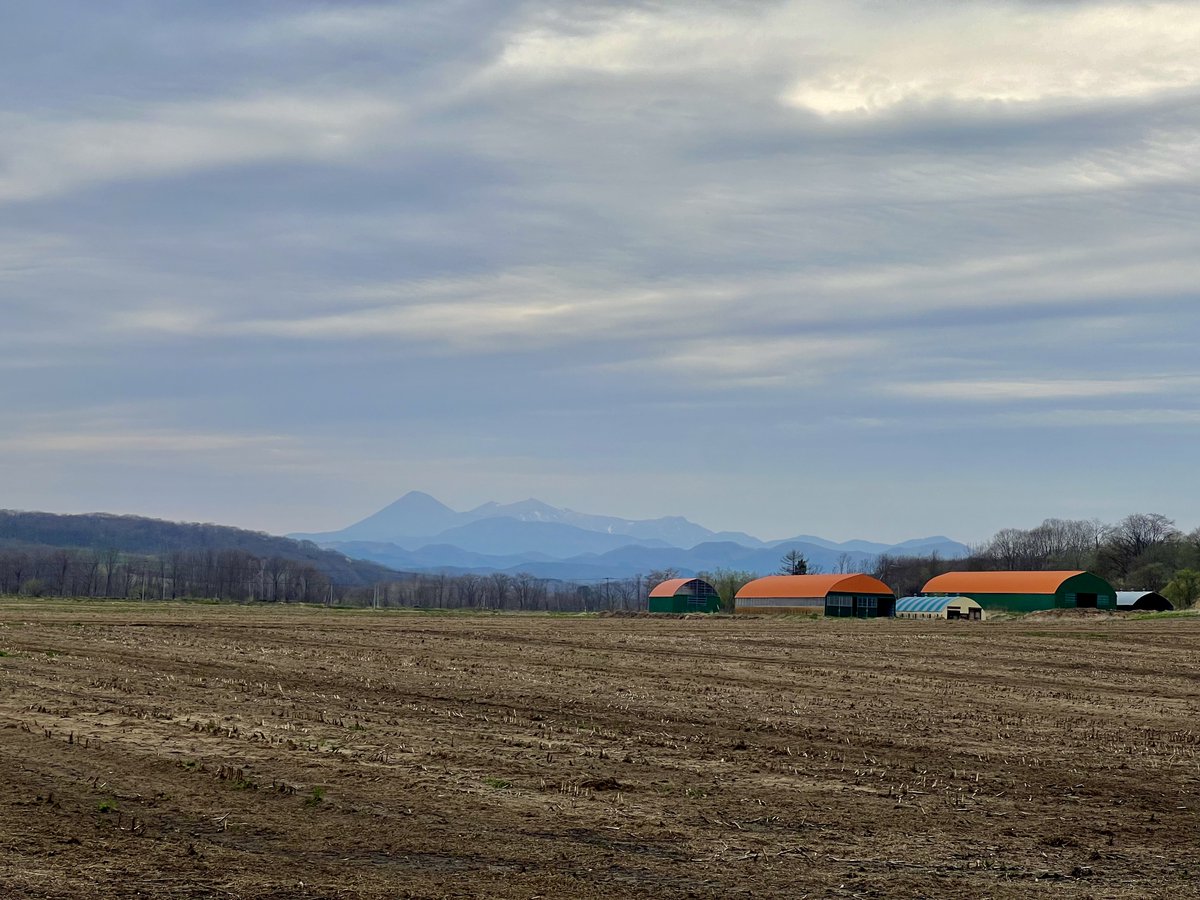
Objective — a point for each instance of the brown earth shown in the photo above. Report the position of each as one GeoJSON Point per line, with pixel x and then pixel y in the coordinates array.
{"type": "Point", "coordinates": [206, 751]}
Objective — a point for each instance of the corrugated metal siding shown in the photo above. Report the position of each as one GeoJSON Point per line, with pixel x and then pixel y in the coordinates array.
{"type": "Point", "coordinates": [923, 604]}
{"type": "Point", "coordinates": [783, 606]}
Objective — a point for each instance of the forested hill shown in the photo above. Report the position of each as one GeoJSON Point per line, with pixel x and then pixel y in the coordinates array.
{"type": "Point", "coordinates": [136, 535]}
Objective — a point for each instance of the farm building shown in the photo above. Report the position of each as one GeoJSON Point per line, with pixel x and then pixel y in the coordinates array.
{"type": "Point", "coordinates": [1023, 592]}
{"type": "Point", "coordinates": [831, 595]}
{"type": "Point", "coordinates": [938, 608]}
{"type": "Point", "coordinates": [682, 595]}
{"type": "Point", "coordinates": [1143, 600]}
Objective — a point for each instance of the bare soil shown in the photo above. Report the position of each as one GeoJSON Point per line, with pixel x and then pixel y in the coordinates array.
{"type": "Point", "coordinates": [208, 751]}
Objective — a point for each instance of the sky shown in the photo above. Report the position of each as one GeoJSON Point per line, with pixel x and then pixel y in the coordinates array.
{"type": "Point", "coordinates": [858, 269]}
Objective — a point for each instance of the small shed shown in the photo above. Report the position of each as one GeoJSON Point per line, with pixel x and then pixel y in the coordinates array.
{"type": "Point", "coordinates": [1150, 601]}
{"type": "Point", "coordinates": [856, 595]}
{"type": "Point", "coordinates": [1022, 592]}
{"type": "Point", "coordinates": [684, 595]}
{"type": "Point", "coordinates": [938, 608]}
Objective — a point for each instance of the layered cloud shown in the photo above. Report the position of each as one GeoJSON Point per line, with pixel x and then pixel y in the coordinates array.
{"type": "Point", "coordinates": [997, 391]}
{"type": "Point", "coordinates": [46, 156]}
{"type": "Point", "coordinates": [552, 235]}
{"type": "Point", "coordinates": [834, 58]}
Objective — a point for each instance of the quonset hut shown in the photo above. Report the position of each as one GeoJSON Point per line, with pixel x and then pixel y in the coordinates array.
{"type": "Point", "coordinates": [1143, 600]}
{"type": "Point", "coordinates": [938, 608]}
{"type": "Point", "coordinates": [830, 595]}
{"type": "Point", "coordinates": [1022, 592]}
{"type": "Point", "coordinates": [683, 595]}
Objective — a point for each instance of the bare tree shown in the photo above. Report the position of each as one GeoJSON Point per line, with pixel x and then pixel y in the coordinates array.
{"type": "Point", "coordinates": [526, 590]}
{"type": "Point", "coordinates": [18, 566]}
{"type": "Point", "coordinates": [793, 563]}
{"type": "Point", "coordinates": [497, 587]}
{"type": "Point", "coordinates": [658, 576]}
{"type": "Point", "coordinates": [727, 582]}
{"type": "Point", "coordinates": [62, 564]}
{"type": "Point", "coordinates": [1009, 549]}
{"type": "Point", "coordinates": [625, 591]}
{"type": "Point", "coordinates": [468, 588]}
{"type": "Point", "coordinates": [1136, 534]}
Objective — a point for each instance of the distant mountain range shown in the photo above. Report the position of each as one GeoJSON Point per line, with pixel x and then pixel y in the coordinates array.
{"type": "Point", "coordinates": [420, 533]}
{"type": "Point", "coordinates": [416, 517]}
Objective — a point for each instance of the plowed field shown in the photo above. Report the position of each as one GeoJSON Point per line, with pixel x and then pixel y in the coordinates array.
{"type": "Point", "coordinates": [209, 751]}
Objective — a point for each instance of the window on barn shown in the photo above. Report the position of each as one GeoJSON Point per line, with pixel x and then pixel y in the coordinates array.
{"type": "Point", "coordinates": [839, 606]}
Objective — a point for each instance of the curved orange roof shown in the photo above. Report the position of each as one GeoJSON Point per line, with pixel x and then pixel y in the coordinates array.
{"type": "Point", "coordinates": [811, 586]}
{"type": "Point", "coordinates": [669, 588]}
{"type": "Point", "coordinates": [998, 582]}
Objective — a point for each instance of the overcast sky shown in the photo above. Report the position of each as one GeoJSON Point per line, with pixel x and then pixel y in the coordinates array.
{"type": "Point", "coordinates": [861, 269]}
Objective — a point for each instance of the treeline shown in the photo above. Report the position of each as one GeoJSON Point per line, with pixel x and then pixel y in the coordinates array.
{"type": "Point", "coordinates": [238, 576]}
{"type": "Point", "coordinates": [1144, 551]}
{"type": "Point", "coordinates": [521, 592]}
{"type": "Point", "coordinates": [241, 577]}
{"type": "Point", "coordinates": [210, 574]}
{"type": "Point", "coordinates": [102, 534]}
{"type": "Point", "coordinates": [524, 592]}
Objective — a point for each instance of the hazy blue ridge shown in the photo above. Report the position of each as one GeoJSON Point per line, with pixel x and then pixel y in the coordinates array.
{"type": "Point", "coordinates": [420, 533]}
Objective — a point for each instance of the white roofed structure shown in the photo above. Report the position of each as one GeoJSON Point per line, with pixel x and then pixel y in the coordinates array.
{"type": "Point", "coordinates": [938, 608]}
{"type": "Point", "coordinates": [1151, 601]}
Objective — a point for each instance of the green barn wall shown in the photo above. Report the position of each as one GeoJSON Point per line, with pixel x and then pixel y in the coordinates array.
{"type": "Point", "coordinates": [1064, 598]}
{"type": "Point", "coordinates": [680, 604]}
{"type": "Point", "coordinates": [1017, 603]}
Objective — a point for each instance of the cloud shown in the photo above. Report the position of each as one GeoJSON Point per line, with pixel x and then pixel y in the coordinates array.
{"type": "Point", "coordinates": [177, 320]}
{"type": "Point", "coordinates": [43, 156]}
{"type": "Point", "coordinates": [1004, 391]}
{"type": "Point", "coordinates": [516, 227]}
{"type": "Point", "coordinates": [1011, 53]}
{"type": "Point", "coordinates": [529, 307]}
{"type": "Point", "coordinates": [727, 317]}
{"type": "Point", "coordinates": [735, 361]}
{"type": "Point", "coordinates": [1108, 419]}
{"type": "Point", "coordinates": [86, 443]}
{"type": "Point", "coordinates": [22, 253]}
{"type": "Point", "coordinates": [355, 24]}
{"type": "Point", "coordinates": [838, 58]}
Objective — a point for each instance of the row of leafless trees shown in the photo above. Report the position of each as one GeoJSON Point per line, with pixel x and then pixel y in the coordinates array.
{"type": "Point", "coordinates": [1144, 551]}
{"type": "Point", "coordinates": [214, 574]}
{"type": "Point", "coordinates": [235, 575]}
{"type": "Point", "coordinates": [502, 591]}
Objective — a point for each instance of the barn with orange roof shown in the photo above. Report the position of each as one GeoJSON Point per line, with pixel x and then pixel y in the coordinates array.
{"type": "Point", "coordinates": [683, 595]}
{"type": "Point", "coordinates": [1022, 592]}
{"type": "Point", "coordinates": [821, 595]}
